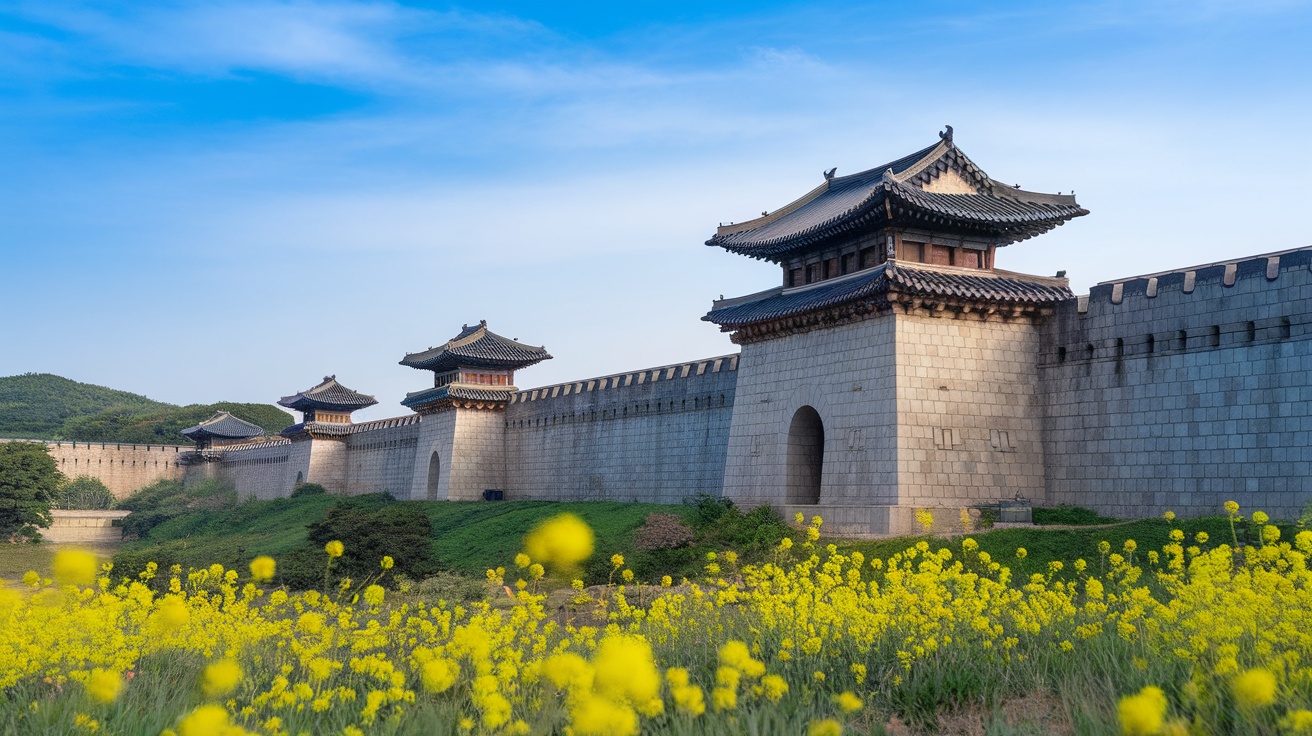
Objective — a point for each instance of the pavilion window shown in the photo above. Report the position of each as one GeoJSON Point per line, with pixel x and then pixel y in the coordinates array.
{"type": "Point", "coordinates": [812, 273]}
{"type": "Point", "coordinates": [796, 277]}
{"type": "Point", "coordinates": [968, 258]}
{"type": "Point", "coordinates": [849, 260]}
{"type": "Point", "coordinates": [870, 258]}
{"type": "Point", "coordinates": [831, 268]}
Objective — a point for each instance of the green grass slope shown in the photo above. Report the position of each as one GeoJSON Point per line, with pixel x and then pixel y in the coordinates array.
{"type": "Point", "coordinates": [468, 538]}
{"type": "Point", "coordinates": [36, 405]}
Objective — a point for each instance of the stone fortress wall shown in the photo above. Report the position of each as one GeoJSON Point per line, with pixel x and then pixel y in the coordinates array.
{"type": "Point", "coordinates": [1182, 390]}
{"type": "Point", "coordinates": [122, 467]}
{"type": "Point", "coordinates": [657, 435]}
{"type": "Point", "coordinates": [1170, 391]}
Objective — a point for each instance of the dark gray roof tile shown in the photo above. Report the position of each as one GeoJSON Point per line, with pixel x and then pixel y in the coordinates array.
{"type": "Point", "coordinates": [224, 426]}
{"type": "Point", "coordinates": [329, 395]}
{"type": "Point", "coordinates": [477, 347]}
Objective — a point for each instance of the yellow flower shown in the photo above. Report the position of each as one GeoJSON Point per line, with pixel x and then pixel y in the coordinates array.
{"type": "Point", "coordinates": [563, 541]}
{"type": "Point", "coordinates": [666, 581]}
{"type": "Point", "coordinates": [925, 519]}
{"type": "Point", "coordinates": [374, 594]}
{"type": "Point", "coordinates": [74, 567]}
{"type": "Point", "coordinates": [1298, 721]}
{"type": "Point", "coordinates": [439, 675]}
{"type": "Point", "coordinates": [262, 568]}
{"type": "Point", "coordinates": [1201, 537]}
{"type": "Point", "coordinates": [627, 575]}
{"type": "Point", "coordinates": [1254, 688]}
{"type": "Point", "coordinates": [598, 716]}
{"type": "Point", "coordinates": [689, 699]}
{"type": "Point", "coordinates": [522, 560]}
{"type": "Point", "coordinates": [1169, 516]}
{"type": "Point", "coordinates": [826, 727]}
{"type": "Point", "coordinates": [775, 687]}
{"type": "Point", "coordinates": [1231, 507]}
{"type": "Point", "coordinates": [220, 678]}
{"type": "Point", "coordinates": [334, 548]}
{"type": "Point", "coordinates": [1260, 517]}
{"type": "Point", "coordinates": [104, 686]}
{"type": "Point", "coordinates": [848, 702]}
{"type": "Point", "coordinates": [1142, 714]}
{"type": "Point", "coordinates": [387, 562]}
{"type": "Point", "coordinates": [31, 579]}
{"type": "Point", "coordinates": [568, 670]}
{"type": "Point", "coordinates": [724, 698]}
{"type": "Point", "coordinates": [625, 670]}
{"type": "Point", "coordinates": [617, 561]}
{"type": "Point", "coordinates": [1021, 553]}
{"type": "Point", "coordinates": [207, 720]}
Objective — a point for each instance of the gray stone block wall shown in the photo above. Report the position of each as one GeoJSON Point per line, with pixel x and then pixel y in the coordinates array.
{"type": "Point", "coordinates": [968, 414]}
{"type": "Point", "coordinates": [846, 375]}
{"type": "Point", "coordinates": [381, 456]}
{"type": "Point", "coordinates": [657, 435]}
{"type": "Point", "coordinates": [1183, 391]}
{"type": "Point", "coordinates": [265, 469]}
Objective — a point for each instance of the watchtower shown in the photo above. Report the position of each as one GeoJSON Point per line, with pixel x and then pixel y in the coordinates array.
{"type": "Point", "coordinates": [894, 367]}
{"type": "Point", "coordinates": [462, 440]}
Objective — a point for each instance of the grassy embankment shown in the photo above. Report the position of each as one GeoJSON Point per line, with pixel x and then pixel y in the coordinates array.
{"type": "Point", "coordinates": [468, 538]}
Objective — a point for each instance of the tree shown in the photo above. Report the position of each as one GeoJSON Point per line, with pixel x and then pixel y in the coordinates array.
{"type": "Point", "coordinates": [84, 492]}
{"type": "Point", "coordinates": [29, 479]}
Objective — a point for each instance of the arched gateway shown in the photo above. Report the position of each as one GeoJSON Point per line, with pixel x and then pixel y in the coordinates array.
{"type": "Point", "coordinates": [434, 476]}
{"type": "Point", "coordinates": [806, 456]}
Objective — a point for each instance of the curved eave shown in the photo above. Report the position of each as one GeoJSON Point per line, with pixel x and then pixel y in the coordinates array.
{"type": "Point", "coordinates": [455, 391]}
{"type": "Point", "coordinates": [996, 287]}
{"type": "Point", "coordinates": [301, 402]}
{"type": "Point", "coordinates": [452, 361]}
{"type": "Point", "coordinates": [1005, 217]}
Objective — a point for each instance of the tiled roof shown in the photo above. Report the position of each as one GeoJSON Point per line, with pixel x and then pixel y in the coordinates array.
{"type": "Point", "coordinates": [329, 429]}
{"type": "Point", "coordinates": [477, 347]}
{"type": "Point", "coordinates": [329, 395]}
{"type": "Point", "coordinates": [224, 426]}
{"type": "Point", "coordinates": [456, 391]}
{"type": "Point", "coordinates": [894, 276]}
{"type": "Point", "coordinates": [867, 198]}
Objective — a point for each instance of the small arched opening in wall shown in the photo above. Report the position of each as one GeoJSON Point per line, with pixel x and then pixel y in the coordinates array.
{"type": "Point", "coordinates": [434, 476]}
{"type": "Point", "coordinates": [300, 477]}
{"type": "Point", "coordinates": [806, 456]}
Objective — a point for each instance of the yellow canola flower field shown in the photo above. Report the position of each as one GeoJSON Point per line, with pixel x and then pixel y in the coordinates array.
{"type": "Point", "coordinates": [1187, 640]}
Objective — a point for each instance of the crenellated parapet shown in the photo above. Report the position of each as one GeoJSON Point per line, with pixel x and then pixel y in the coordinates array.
{"type": "Point", "coordinates": [1261, 299]}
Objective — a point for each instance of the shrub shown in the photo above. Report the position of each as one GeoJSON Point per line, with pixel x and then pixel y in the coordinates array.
{"type": "Point", "coordinates": [308, 489]}
{"type": "Point", "coordinates": [707, 509]}
{"type": "Point", "coordinates": [84, 493]}
{"type": "Point", "coordinates": [169, 499]}
{"type": "Point", "coordinates": [662, 531]}
{"type": "Point", "coordinates": [371, 527]}
{"type": "Point", "coordinates": [1069, 516]}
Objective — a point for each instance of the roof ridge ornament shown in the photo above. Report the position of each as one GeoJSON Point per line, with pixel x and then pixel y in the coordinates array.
{"type": "Point", "coordinates": [946, 135]}
{"type": "Point", "coordinates": [829, 175]}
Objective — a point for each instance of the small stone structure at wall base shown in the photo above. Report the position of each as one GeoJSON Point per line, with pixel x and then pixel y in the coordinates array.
{"type": "Point", "coordinates": [84, 527]}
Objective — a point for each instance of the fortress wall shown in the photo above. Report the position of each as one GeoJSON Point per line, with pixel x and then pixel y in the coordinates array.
{"type": "Point", "coordinates": [656, 435]}
{"type": "Point", "coordinates": [479, 460]}
{"type": "Point", "coordinates": [846, 375]}
{"type": "Point", "coordinates": [381, 456]}
{"type": "Point", "coordinates": [968, 415]}
{"type": "Point", "coordinates": [124, 468]}
{"type": "Point", "coordinates": [1183, 390]}
{"type": "Point", "coordinates": [265, 469]}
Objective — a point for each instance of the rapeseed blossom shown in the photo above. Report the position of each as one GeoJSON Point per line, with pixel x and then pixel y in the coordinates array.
{"type": "Point", "coordinates": [812, 638]}
{"type": "Point", "coordinates": [563, 542]}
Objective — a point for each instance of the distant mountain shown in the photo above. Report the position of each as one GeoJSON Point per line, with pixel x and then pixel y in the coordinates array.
{"type": "Point", "coordinates": [45, 406]}
{"type": "Point", "coordinates": [36, 405]}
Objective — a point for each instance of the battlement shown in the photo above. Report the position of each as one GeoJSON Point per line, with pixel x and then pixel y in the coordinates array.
{"type": "Point", "coordinates": [695, 368]}
{"type": "Point", "coordinates": [389, 423]}
{"type": "Point", "coordinates": [275, 442]}
{"type": "Point", "coordinates": [1267, 266]}
{"type": "Point", "coordinates": [75, 444]}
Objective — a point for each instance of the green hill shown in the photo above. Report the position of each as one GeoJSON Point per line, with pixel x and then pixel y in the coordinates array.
{"type": "Point", "coordinates": [164, 425]}
{"type": "Point", "coordinates": [45, 406]}
{"type": "Point", "coordinates": [36, 405]}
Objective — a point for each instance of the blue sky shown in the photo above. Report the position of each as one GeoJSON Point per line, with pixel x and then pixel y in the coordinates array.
{"type": "Point", "coordinates": [227, 201]}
